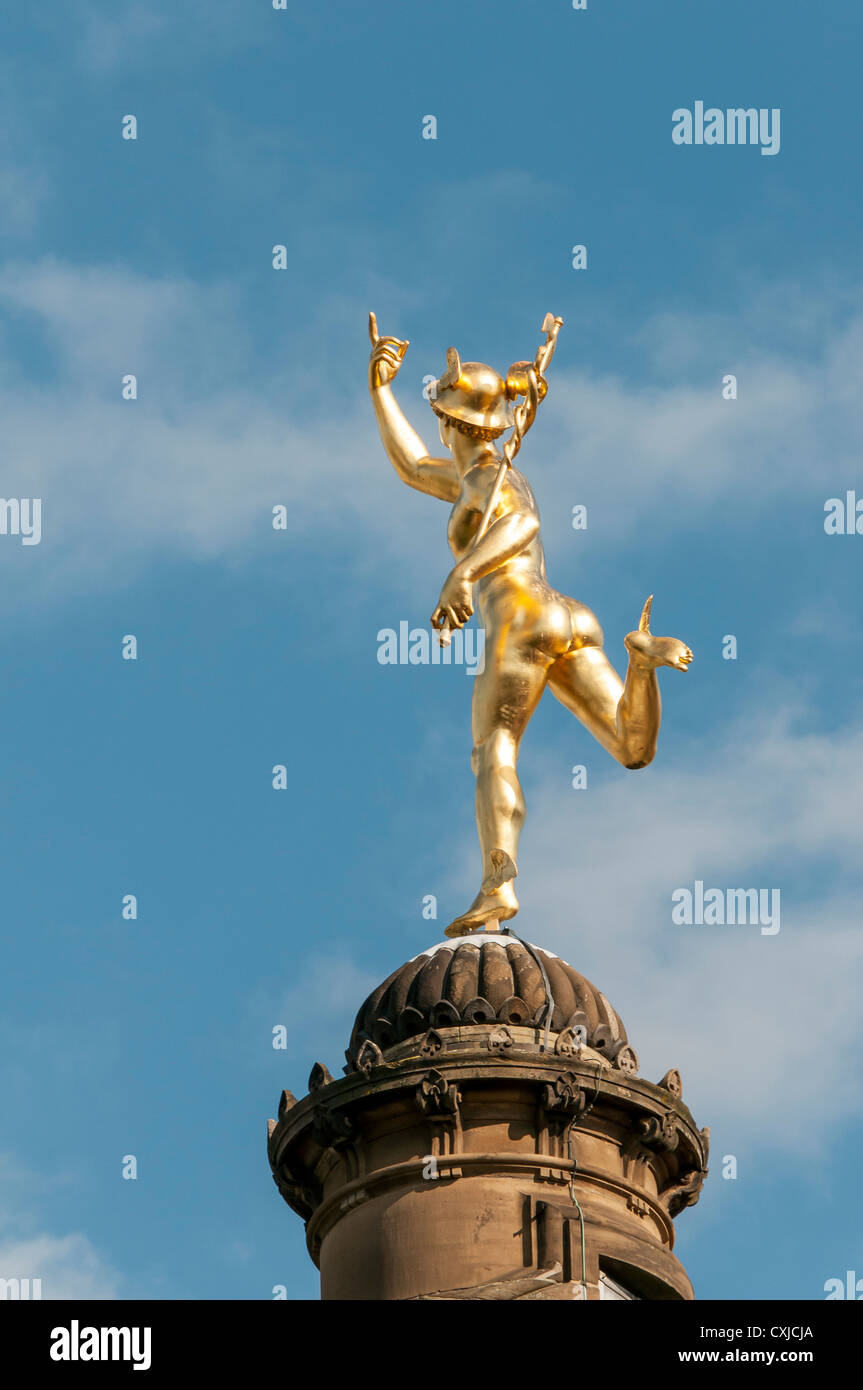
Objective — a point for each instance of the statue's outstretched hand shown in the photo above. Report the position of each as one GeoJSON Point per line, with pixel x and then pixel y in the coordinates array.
{"type": "Point", "coordinates": [455, 605]}
{"type": "Point", "coordinates": [386, 357]}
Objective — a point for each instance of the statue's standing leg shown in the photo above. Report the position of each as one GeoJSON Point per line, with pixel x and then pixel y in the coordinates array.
{"type": "Point", "coordinates": [505, 695]}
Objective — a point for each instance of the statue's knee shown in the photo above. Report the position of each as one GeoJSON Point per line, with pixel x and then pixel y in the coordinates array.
{"type": "Point", "coordinates": [644, 761]}
{"type": "Point", "coordinates": [483, 761]}
{"type": "Point", "coordinates": [494, 752]}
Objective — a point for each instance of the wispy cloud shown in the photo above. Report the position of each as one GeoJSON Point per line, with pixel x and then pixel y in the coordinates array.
{"type": "Point", "coordinates": [218, 434]}
{"type": "Point", "coordinates": [68, 1266]}
{"type": "Point", "coordinates": [672, 441]}
{"type": "Point", "coordinates": [106, 38]}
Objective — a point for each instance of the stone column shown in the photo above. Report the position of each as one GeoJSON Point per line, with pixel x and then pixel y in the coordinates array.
{"type": "Point", "coordinates": [504, 1157]}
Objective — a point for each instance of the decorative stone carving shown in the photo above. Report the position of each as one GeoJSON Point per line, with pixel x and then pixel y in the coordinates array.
{"type": "Point", "coordinates": [445, 1015]}
{"type": "Point", "coordinates": [303, 1198]}
{"type": "Point", "coordinates": [705, 1144]}
{"type": "Point", "coordinates": [662, 1136]}
{"type": "Point", "coordinates": [685, 1192]}
{"type": "Point", "coordinates": [440, 1101]}
{"type": "Point", "coordinates": [385, 1033]}
{"type": "Point", "coordinates": [436, 1095]}
{"type": "Point", "coordinates": [579, 1023]}
{"type": "Point", "coordinates": [514, 1010]}
{"type": "Point", "coordinates": [673, 1083]}
{"type": "Point", "coordinates": [369, 1056]}
{"type": "Point", "coordinates": [561, 1103]}
{"type": "Point", "coordinates": [500, 1039]}
{"type": "Point", "coordinates": [569, 1043]}
{"type": "Point", "coordinates": [431, 1044]}
{"type": "Point", "coordinates": [565, 1096]}
{"type": "Point", "coordinates": [626, 1059]}
{"type": "Point", "coordinates": [410, 1022]}
{"type": "Point", "coordinates": [319, 1077]}
{"type": "Point", "coordinates": [604, 1041]}
{"type": "Point", "coordinates": [287, 1101]}
{"type": "Point", "coordinates": [479, 1010]}
{"type": "Point", "coordinates": [686, 1189]}
{"type": "Point", "coordinates": [331, 1128]}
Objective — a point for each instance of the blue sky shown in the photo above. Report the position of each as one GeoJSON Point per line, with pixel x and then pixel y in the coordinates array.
{"type": "Point", "coordinates": [257, 647]}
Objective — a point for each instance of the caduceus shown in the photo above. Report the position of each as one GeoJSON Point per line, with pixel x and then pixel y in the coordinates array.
{"type": "Point", "coordinates": [534, 636]}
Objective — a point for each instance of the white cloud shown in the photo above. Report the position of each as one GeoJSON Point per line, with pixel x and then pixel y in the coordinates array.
{"type": "Point", "coordinates": [195, 465]}
{"type": "Point", "coordinates": [68, 1267]}
{"type": "Point", "coordinates": [675, 446]}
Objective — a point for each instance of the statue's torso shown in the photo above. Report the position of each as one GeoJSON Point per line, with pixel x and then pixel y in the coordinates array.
{"type": "Point", "coordinates": [466, 515]}
{"type": "Point", "coordinates": [515, 600]}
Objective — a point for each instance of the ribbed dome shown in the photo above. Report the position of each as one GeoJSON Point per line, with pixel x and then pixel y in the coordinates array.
{"type": "Point", "coordinates": [485, 979]}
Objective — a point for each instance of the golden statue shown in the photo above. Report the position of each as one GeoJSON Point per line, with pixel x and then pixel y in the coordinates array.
{"type": "Point", "coordinates": [534, 636]}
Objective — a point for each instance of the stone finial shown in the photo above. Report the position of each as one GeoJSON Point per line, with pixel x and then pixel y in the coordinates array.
{"type": "Point", "coordinates": [673, 1083]}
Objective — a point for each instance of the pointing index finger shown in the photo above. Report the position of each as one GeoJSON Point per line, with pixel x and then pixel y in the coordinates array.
{"type": "Point", "coordinates": [373, 328]}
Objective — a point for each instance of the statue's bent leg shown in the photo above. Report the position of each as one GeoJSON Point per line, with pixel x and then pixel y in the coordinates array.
{"type": "Point", "coordinates": [505, 695]}
{"type": "Point", "coordinates": [623, 716]}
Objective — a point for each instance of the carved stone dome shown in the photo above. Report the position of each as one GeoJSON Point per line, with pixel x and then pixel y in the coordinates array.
{"type": "Point", "coordinates": [485, 979]}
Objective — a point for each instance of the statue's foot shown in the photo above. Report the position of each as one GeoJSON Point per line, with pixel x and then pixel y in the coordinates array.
{"type": "Point", "coordinates": [659, 651]}
{"type": "Point", "coordinates": [498, 906]}
{"type": "Point", "coordinates": [502, 871]}
{"type": "Point", "coordinates": [656, 651]}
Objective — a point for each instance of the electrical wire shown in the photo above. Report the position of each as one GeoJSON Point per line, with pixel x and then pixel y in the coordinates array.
{"type": "Point", "coordinates": [570, 1137]}
{"type": "Point", "coordinates": [550, 1005]}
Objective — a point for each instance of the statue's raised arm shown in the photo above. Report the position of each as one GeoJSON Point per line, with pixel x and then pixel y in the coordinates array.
{"type": "Point", "coordinates": [405, 450]}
